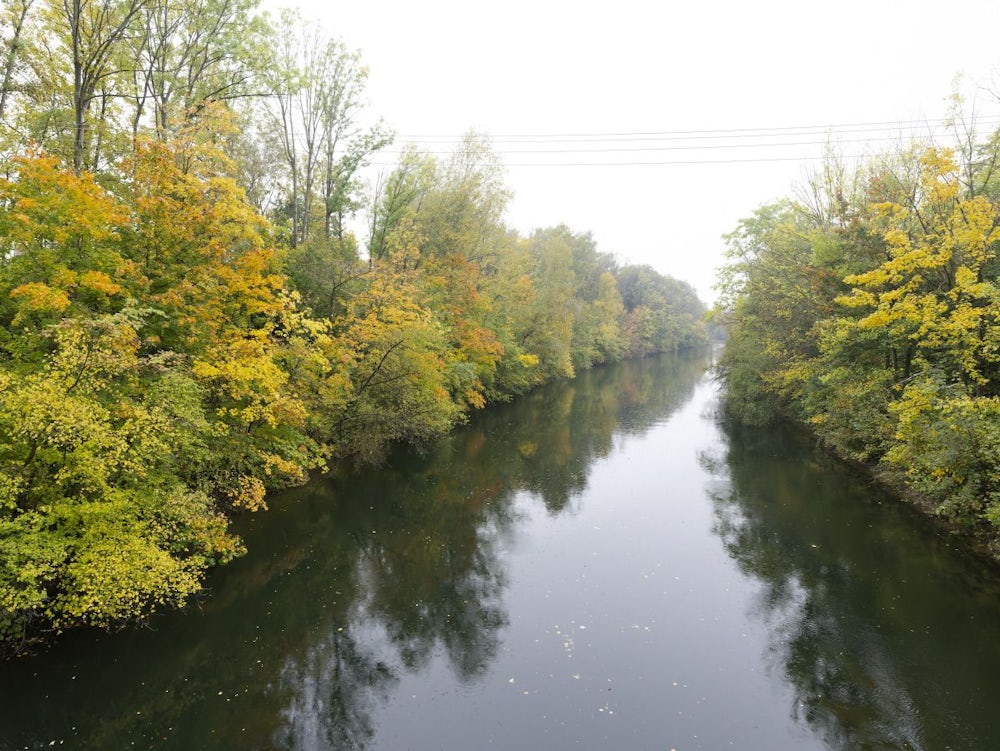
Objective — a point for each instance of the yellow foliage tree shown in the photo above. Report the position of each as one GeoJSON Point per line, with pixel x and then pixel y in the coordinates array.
{"type": "Point", "coordinates": [932, 296]}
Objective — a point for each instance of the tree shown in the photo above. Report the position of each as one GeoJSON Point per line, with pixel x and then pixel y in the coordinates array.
{"type": "Point", "coordinates": [935, 297]}
{"type": "Point", "coordinates": [397, 196]}
{"type": "Point", "coordinates": [188, 53]}
{"type": "Point", "coordinates": [314, 87]}
{"type": "Point", "coordinates": [661, 313]}
{"type": "Point", "coordinates": [96, 527]}
{"type": "Point", "coordinates": [13, 19]}
{"type": "Point", "coordinates": [768, 290]}
{"type": "Point", "coordinates": [443, 224]}
{"type": "Point", "coordinates": [394, 350]}
{"type": "Point", "coordinates": [57, 257]}
{"type": "Point", "coordinates": [549, 331]}
{"type": "Point", "coordinates": [94, 33]}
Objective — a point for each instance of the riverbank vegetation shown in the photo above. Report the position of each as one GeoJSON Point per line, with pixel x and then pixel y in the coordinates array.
{"type": "Point", "coordinates": [188, 321]}
{"type": "Point", "coordinates": [867, 307]}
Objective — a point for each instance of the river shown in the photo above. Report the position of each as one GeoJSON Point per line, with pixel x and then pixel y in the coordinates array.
{"type": "Point", "coordinates": [598, 565]}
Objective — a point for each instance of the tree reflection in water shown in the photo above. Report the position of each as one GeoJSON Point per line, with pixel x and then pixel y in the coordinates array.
{"type": "Point", "coordinates": [863, 600]}
{"type": "Point", "coordinates": [335, 688]}
{"type": "Point", "coordinates": [428, 533]}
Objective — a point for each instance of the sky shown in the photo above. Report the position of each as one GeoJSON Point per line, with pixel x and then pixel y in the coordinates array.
{"type": "Point", "coordinates": [673, 100]}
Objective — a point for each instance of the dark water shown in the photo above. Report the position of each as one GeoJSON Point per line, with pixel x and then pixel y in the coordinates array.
{"type": "Point", "coordinates": [597, 566]}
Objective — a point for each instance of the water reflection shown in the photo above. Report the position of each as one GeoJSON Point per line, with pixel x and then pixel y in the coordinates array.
{"type": "Point", "coordinates": [886, 634]}
{"type": "Point", "coordinates": [335, 689]}
{"type": "Point", "coordinates": [352, 583]}
{"type": "Point", "coordinates": [429, 569]}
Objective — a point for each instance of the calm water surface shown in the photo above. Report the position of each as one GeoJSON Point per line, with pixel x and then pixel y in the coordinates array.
{"type": "Point", "coordinates": [599, 565]}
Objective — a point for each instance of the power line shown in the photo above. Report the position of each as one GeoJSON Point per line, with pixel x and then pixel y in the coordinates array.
{"type": "Point", "coordinates": [661, 162]}
{"type": "Point", "coordinates": [566, 143]}
{"type": "Point", "coordinates": [635, 142]}
{"type": "Point", "coordinates": [709, 132]}
{"type": "Point", "coordinates": [897, 127]}
{"type": "Point", "coordinates": [640, 149]}
{"type": "Point", "coordinates": [642, 138]}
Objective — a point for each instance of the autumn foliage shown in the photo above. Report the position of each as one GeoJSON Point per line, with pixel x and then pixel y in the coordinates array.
{"type": "Point", "coordinates": [873, 316]}
{"type": "Point", "coordinates": [159, 371]}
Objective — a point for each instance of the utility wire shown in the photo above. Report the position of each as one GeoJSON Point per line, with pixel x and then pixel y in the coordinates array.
{"type": "Point", "coordinates": [671, 137]}
{"type": "Point", "coordinates": [711, 132]}
{"type": "Point", "coordinates": [568, 143]}
{"type": "Point", "coordinates": [896, 127]}
{"type": "Point", "coordinates": [660, 163]}
{"type": "Point", "coordinates": [640, 149]}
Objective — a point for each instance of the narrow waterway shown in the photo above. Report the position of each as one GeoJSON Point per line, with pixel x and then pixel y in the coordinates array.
{"type": "Point", "coordinates": [597, 565]}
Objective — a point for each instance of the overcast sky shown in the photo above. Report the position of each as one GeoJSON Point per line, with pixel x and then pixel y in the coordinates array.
{"type": "Point", "coordinates": [712, 80]}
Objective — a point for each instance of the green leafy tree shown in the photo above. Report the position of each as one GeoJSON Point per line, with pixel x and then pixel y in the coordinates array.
{"type": "Point", "coordinates": [187, 54]}
{"type": "Point", "coordinates": [91, 35]}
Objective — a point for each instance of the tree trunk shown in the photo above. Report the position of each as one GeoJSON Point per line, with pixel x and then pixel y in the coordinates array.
{"type": "Point", "coordinates": [10, 61]}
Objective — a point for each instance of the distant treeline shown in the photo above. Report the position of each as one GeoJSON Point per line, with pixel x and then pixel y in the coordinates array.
{"type": "Point", "coordinates": [187, 321]}
{"type": "Point", "coordinates": [869, 309]}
